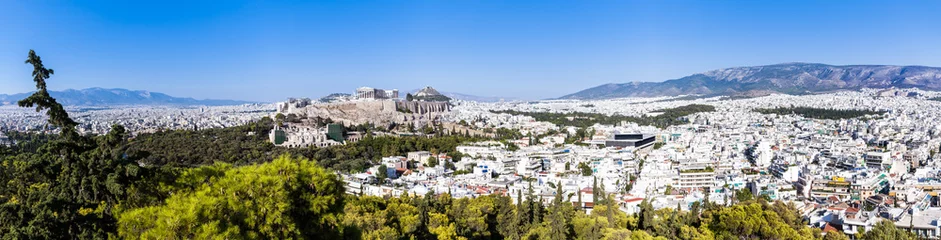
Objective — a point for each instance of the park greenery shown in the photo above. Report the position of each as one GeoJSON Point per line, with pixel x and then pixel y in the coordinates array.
{"type": "Point", "coordinates": [666, 117]}
{"type": "Point", "coordinates": [819, 113]}
{"type": "Point", "coordinates": [70, 186]}
{"type": "Point", "coordinates": [248, 144]}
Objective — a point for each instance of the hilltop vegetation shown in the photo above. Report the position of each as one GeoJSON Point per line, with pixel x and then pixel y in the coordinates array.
{"type": "Point", "coordinates": [819, 113]}
{"type": "Point", "coordinates": [248, 144]}
{"type": "Point", "coordinates": [669, 117]}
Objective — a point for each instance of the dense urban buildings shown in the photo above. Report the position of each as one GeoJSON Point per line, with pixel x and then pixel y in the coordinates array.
{"type": "Point", "coordinates": [136, 119]}
{"type": "Point", "coordinates": [843, 173]}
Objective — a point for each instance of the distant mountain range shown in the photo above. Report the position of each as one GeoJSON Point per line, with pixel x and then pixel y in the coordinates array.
{"type": "Point", "coordinates": [790, 78]}
{"type": "Point", "coordinates": [116, 96]}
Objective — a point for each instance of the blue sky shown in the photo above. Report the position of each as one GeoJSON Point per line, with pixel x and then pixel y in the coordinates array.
{"type": "Point", "coordinates": [268, 51]}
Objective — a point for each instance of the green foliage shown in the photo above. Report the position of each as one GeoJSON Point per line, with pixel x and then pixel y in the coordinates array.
{"type": "Point", "coordinates": [819, 113]}
{"type": "Point", "coordinates": [58, 117]}
{"type": "Point", "coordinates": [584, 169]}
{"type": "Point", "coordinates": [248, 144]}
{"type": "Point", "coordinates": [286, 198]}
{"type": "Point", "coordinates": [753, 221]}
{"type": "Point", "coordinates": [238, 145]}
{"type": "Point", "coordinates": [431, 98]}
{"type": "Point", "coordinates": [835, 235]}
{"type": "Point", "coordinates": [383, 173]}
{"type": "Point", "coordinates": [506, 133]}
{"type": "Point", "coordinates": [744, 195]}
{"type": "Point", "coordinates": [67, 186]}
{"type": "Point", "coordinates": [670, 116]}
{"type": "Point", "coordinates": [885, 230]}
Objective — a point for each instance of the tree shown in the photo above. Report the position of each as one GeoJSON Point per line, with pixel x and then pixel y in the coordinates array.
{"type": "Point", "coordinates": [646, 215]}
{"type": "Point", "coordinates": [383, 173]}
{"type": "Point", "coordinates": [744, 195]}
{"type": "Point", "coordinates": [432, 162]}
{"type": "Point", "coordinates": [279, 119]}
{"type": "Point", "coordinates": [585, 169]}
{"type": "Point", "coordinates": [694, 210]}
{"type": "Point", "coordinates": [68, 186]}
{"type": "Point", "coordinates": [508, 219]}
{"type": "Point", "coordinates": [886, 229]}
{"type": "Point", "coordinates": [588, 227]}
{"type": "Point", "coordinates": [835, 235]}
{"type": "Point", "coordinates": [42, 101]}
{"type": "Point", "coordinates": [409, 97]}
{"type": "Point", "coordinates": [286, 198]}
{"type": "Point", "coordinates": [558, 222]}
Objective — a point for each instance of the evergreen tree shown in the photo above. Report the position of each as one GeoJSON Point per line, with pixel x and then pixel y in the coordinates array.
{"type": "Point", "coordinates": [594, 190]}
{"type": "Point", "coordinates": [58, 117]}
{"type": "Point", "coordinates": [646, 218]}
{"type": "Point", "coordinates": [886, 229]}
{"type": "Point", "coordinates": [558, 224]}
{"type": "Point", "coordinates": [508, 219]}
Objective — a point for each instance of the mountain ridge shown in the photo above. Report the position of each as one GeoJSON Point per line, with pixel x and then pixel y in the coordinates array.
{"type": "Point", "coordinates": [97, 96]}
{"type": "Point", "coordinates": [791, 78]}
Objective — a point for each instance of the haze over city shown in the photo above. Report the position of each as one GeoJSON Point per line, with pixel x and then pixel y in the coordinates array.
{"type": "Point", "coordinates": [267, 51]}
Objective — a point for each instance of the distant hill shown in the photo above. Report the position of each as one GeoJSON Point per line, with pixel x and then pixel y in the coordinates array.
{"type": "Point", "coordinates": [791, 78]}
{"type": "Point", "coordinates": [429, 94]}
{"type": "Point", "coordinates": [117, 96]}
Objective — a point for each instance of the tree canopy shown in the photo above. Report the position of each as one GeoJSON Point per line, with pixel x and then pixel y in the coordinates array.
{"type": "Point", "coordinates": [819, 113]}
{"type": "Point", "coordinates": [286, 198]}
{"type": "Point", "coordinates": [668, 117]}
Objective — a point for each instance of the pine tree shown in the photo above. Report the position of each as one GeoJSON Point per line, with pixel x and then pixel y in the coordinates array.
{"type": "Point", "coordinates": [41, 99]}
{"type": "Point", "coordinates": [580, 204]}
{"type": "Point", "coordinates": [558, 223]}
{"type": "Point", "coordinates": [527, 215]}
{"type": "Point", "coordinates": [646, 215]}
{"type": "Point", "coordinates": [594, 190]}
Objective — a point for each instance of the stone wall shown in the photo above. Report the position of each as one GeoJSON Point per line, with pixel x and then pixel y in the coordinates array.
{"type": "Point", "coordinates": [424, 107]}
{"type": "Point", "coordinates": [377, 112]}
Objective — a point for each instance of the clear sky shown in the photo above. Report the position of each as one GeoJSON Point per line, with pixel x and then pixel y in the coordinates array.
{"type": "Point", "coordinates": [268, 51]}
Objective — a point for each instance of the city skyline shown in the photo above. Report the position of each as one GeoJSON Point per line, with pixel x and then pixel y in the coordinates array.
{"type": "Point", "coordinates": [268, 52]}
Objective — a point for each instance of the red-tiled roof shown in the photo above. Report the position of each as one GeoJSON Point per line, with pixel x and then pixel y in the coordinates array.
{"type": "Point", "coordinates": [636, 199]}
{"type": "Point", "coordinates": [830, 228]}
{"type": "Point", "coordinates": [852, 210]}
